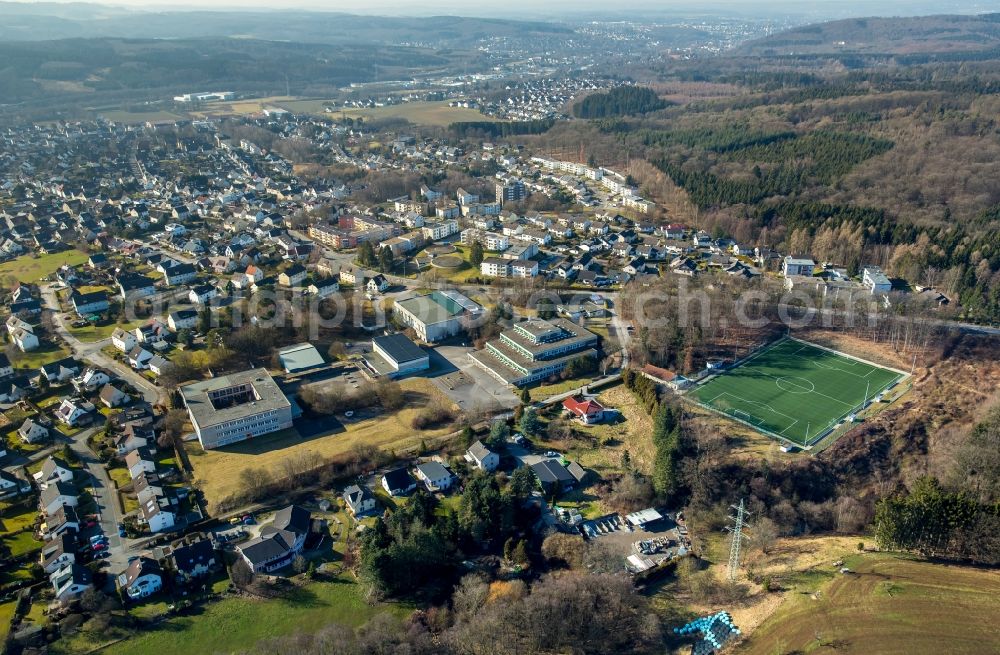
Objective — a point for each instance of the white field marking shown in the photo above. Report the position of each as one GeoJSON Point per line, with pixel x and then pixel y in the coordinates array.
{"type": "Point", "coordinates": [758, 404]}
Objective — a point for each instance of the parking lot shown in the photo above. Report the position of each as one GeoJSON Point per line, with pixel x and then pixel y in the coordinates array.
{"type": "Point", "coordinates": [468, 386]}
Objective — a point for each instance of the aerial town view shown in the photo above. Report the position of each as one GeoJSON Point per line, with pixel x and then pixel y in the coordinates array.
{"type": "Point", "coordinates": [466, 329]}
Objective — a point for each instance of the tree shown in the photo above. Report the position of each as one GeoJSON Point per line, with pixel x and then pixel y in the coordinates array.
{"type": "Point", "coordinates": [241, 574]}
{"type": "Point", "coordinates": [529, 424]}
{"type": "Point", "coordinates": [499, 431]}
{"type": "Point", "coordinates": [386, 261]}
{"type": "Point", "coordinates": [299, 564]}
{"type": "Point", "coordinates": [476, 254]}
{"type": "Point", "coordinates": [525, 396]}
{"type": "Point", "coordinates": [468, 436]}
{"type": "Point", "coordinates": [366, 255]}
{"type": "Point", "coordinates": [521, 553]}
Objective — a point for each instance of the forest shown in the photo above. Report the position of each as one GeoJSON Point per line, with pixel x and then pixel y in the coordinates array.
{"type": "Point", "coordinates": [620, 101]}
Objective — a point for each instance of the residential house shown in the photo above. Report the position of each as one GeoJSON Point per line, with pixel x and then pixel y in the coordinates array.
{"type": "Point", "coordinates": [31, 432]}
{"type": "Point", "coordinates": [59, 552]}
{"type": "Point", "coordinates": [63, 520]}
{"type": "Point", "coordinates": [435, 476]}
{"type": "Point", "coordinates": [182, 319]}
{"type": "Point", "coordinates": [378, 284]}
{"type": "Point", "coordinates": [360, 500]}
{"type": "Point", "coordinates": [54, 469]}
{"type": "Point", "coordinates": [136, 286]}
{"type": "Point", "coordinates": [797, 266]}
{"type": "Point", "coordinates": [74, 411]}
{"type": "Point", "coordinates": [482, 457]}
{"type": "Point", "coordinates": [139, 357]}
{"type": "Point", "coordinates": [123, 340]}
{"type": "Point", "coordinates": [86, 304]}
{"type": "Point", "coordinates": [111, 396]}
{"type": "Point", "coordinates": [71, 581]}
{"type": "Point", "coordinates": [57, 494]}
{"type": "Point", "coordinates": [11, 485]}
{"type": "Point", "coordinates": [14, 389]}
{"type": "Point", "coordinates": [158, 364]}
{"type": "Point", "coordinates": [194, 561]}
{"type": "Point", "coordinates": [202, 294]}
{"type": "Point", "coordinates": [324, 288]}
{"type": "Point", "coordinates": [6, 369]}
{"type": "Point", "coordinates": [25, 340]}
{"type": "Point", "coordinates": [155, 515]}
{"type": "Point", "coordinates": [60, 371]}
{"type": "Point", "coordinates": [553, 476]}
{"type": "Point", "coordinates": [398, 482]}
{"type": "Point", "coordinates": [293, 276]}
{"type": "Point", "coordinates": [875, 280]}
{"type": "Point", "coordinates": [279, 542]}
{"type": "Point", "coordinates": [134, 438]}
{"type": "Point", "coordinates": [142, 578]}
{"type": "Point", "coordinates": [91, 379]}
{"type": "Point", "coordinates": [138, 461]}
{"type": "Point", "coordinates": [179, 274]}
{"type": "Point", "coordinates": [588, 410]}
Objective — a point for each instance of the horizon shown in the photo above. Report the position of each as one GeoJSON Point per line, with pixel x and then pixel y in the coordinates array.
{"type": "Point", "coordinates": [560, 9]}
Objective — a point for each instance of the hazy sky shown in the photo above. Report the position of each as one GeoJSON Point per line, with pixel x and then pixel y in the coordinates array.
{"type": "Point", "coordinates": [522, 8]}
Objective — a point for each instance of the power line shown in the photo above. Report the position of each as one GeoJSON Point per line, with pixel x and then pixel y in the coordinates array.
{"type": "Point", "coordinates": [736, 543]}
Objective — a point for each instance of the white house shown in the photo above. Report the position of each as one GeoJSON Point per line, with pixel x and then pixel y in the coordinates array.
{"type": "Point", "coordinates": [797, 266]}
{"type": "Point", "coordinates": [398, 482]}
{"type": "Point", "coordinates": [875, 280]}
{"type": "Point", "coordinates": [435, 476]}
{"type": "Point", "coordinates": [156, 517]}
{"type": "Point", "coordinates": [482, 457]}
{"type": "Point", "coordinates": [360, 500]}
{"type": "Point", "coordinates": [91, 379]}
{"type": "Point", "coordinates": [142, 578]}
{"type": "Point", "coordinates": [25, 340]}
{"type": "Point", "coordinates": [111, 396]}
{"type": "Point", "coordinates": [53, 470]}
{"type": "Point", "coordinates": [201, 294]}
{"type": "Point", "coordinates": [71, 581]}
{"type": "Point", "coordinates": [324, 288]}
{"type": "Point", "coordinates": [123, 340]}
{"type": "Point", "coordinates": [72, 411]}
{"type": "Point", "coordinates": [57, 494]}
{"type": "Point", "coordinates": [138, 358]}
{"type": "Point", "coordinates": [31, 432]}
{"type": "Point", "coordinates": [377, 284]}
{"type": "Point", "coordinates": [182, 319]}
{"type": "Point", "coordinates": [139, 461]}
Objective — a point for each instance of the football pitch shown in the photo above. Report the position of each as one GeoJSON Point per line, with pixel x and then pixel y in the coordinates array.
{"type": "Point", "coordinates": [794, 390]}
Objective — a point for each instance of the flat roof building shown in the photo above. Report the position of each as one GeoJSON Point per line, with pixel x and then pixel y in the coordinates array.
{"type": "Point", "coordinates": [395, 355]}
{"type": "Point", "coordinates": [535, 350]}
{"type": "Point", "coordinates": [438, 315]}
{"type": "Point", "coordinates": [236, 407]}
{"type": "Point", "coordinates": [300, 357]}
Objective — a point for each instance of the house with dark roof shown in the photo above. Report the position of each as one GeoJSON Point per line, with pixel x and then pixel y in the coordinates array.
{"type": "Point", "coordinates": [70, 581]}
{"type": "Point", "coordinates": [360, 500]}
{"type": "Point", "coordinates": [94, 302]}
{"type": "Point", "coordinates": [193, 561]}
{"type": "Point", "coordinates": [553, 476]}
{"type": "Point", "coordinates": [398, 482]}
{"type": "Point", "coordinates": [141, 579]}
{"type": "Point", "coordinates": [279, 541]}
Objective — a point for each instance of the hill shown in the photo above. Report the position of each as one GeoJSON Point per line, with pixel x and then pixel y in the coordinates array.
{"type": "Point", "coordinates": [46, 21]}
{"type": "Point", "coordinates": [887, 604]}
{"type": "Point", "coordinates": [899, 36]}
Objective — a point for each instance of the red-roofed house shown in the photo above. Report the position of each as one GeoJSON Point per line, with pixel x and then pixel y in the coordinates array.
{"type": "Point", "coordinates": [587, 410]}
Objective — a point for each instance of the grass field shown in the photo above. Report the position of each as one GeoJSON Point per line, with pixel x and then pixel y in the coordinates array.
{"type": "Point", "coordinates": [794, 390]}
{"type": "Point", "coordinates": [6, 616]}
{"type": "Point", "coordinates": [48, 352]}
{"type": "Point", "coordinates": [28, 268]}
{"type": "Point", "coordinates": [237, 624]}
{"type": "Point", "coordinates": [889, 605]}
{"type": "Point", "coordinates": [217, 472]}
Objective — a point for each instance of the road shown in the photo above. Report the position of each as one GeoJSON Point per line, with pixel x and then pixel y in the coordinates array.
{"type": "Point", "coordinates": [105, 497]}
{"type": "Point", "coordinates": [90, 351]}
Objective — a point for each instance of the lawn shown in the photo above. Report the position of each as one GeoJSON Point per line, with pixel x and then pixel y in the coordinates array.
{"type": "Point", "coordinates": [29, 268]}
{"type": "Point", "coordinates": [794, 391]}
{"type": "Point", "coordinates": [21, 543]}
{"type": "Point", "coordinates": [122, 116]}
{"type": "Point", "coordinates": [16, 519]}
{"type": "Point", "coordinates": [238, 624]}
{"type": "Point", "coordinates": [6, 616]}
{"type": "Point", "coordinates": [889, 604]}
{"type": "Point", "coordinates": [48, 352]}
{"type": "Point", "coordinates": [543, 391]}
{"type": "Point", "coordinates": [217, 472]}
{"type": "Point", "coordinates": [98, 332]}
{"type": "Point", "coordinates": [120, 476]}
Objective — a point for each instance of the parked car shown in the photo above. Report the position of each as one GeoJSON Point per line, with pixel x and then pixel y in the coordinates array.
{"type": "Point", "coordinates": [100, 546]}
{"type": "Point", "coordinates": [89, 524]}
{"type": "Point", "coordinates": [551, 453]}
{"type": "Point", "coordinates": [122, 533]}
{"type": "Point", "coordinates": [98, 538]}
